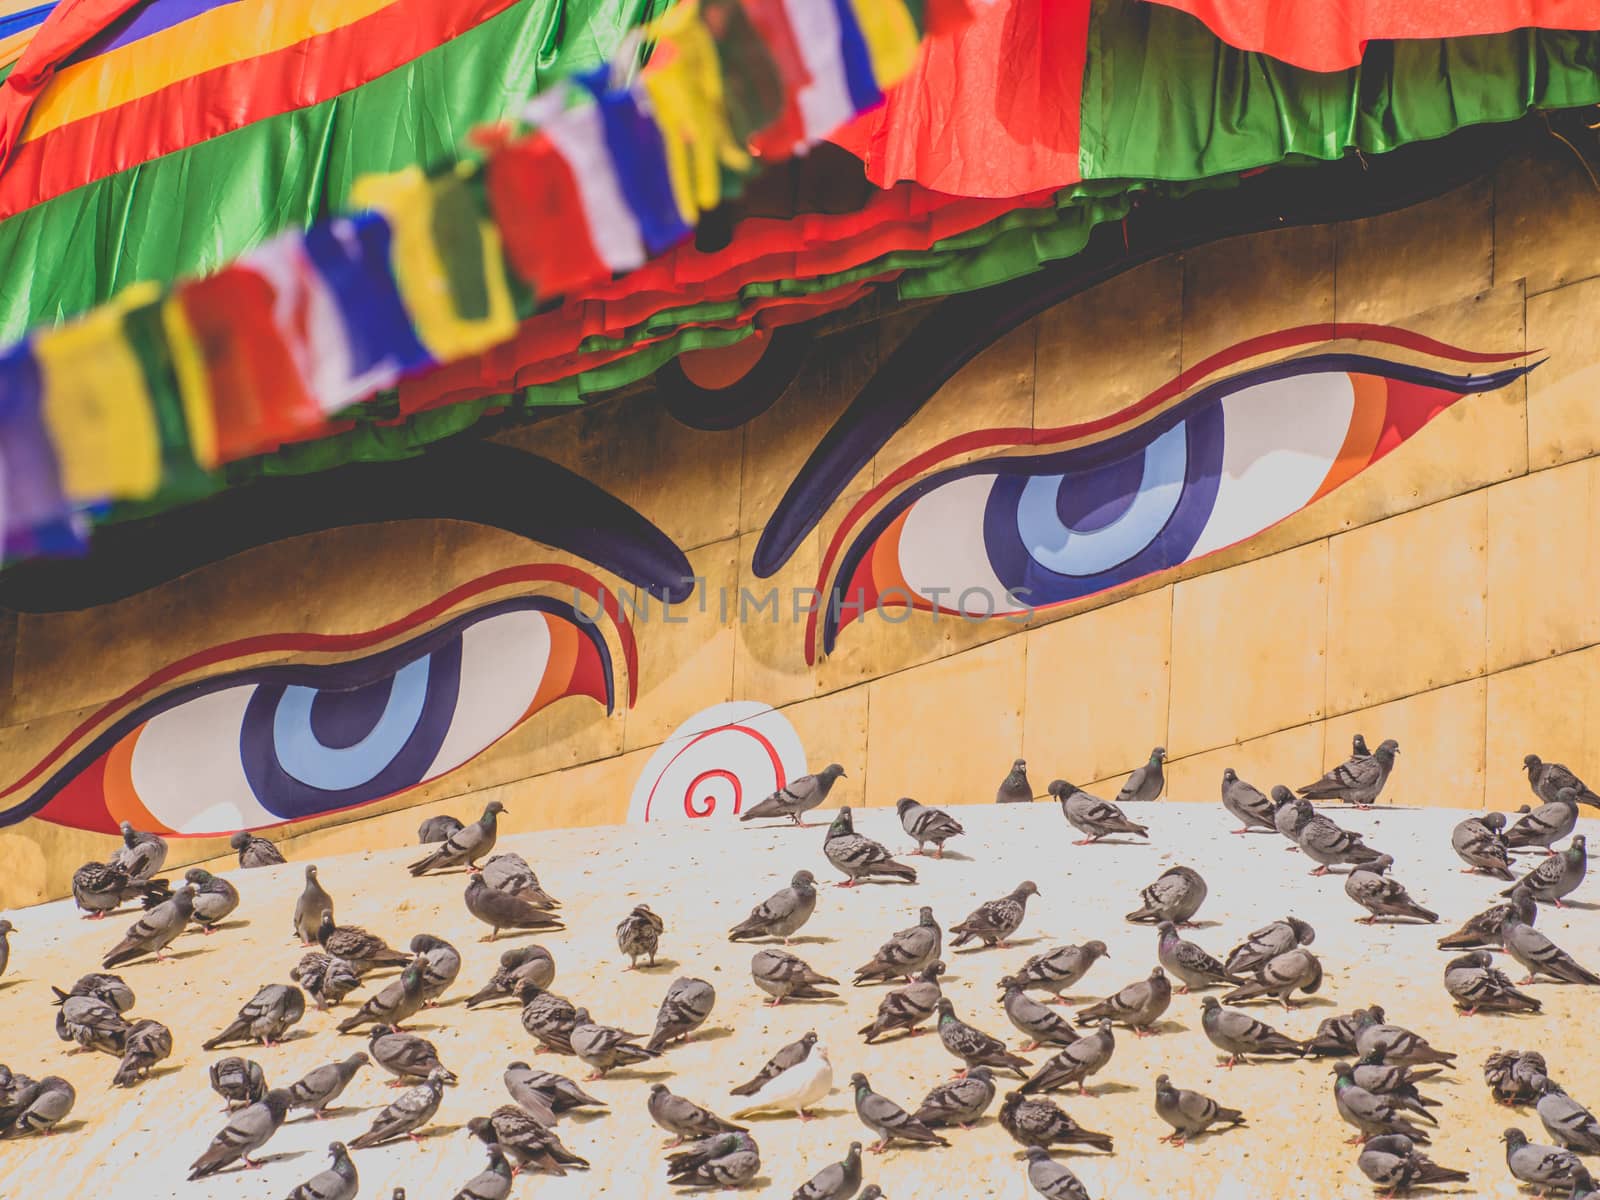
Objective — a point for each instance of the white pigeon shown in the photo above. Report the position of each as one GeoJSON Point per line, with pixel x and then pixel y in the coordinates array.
{"type": "Point", "coordinates": [800, 1087]}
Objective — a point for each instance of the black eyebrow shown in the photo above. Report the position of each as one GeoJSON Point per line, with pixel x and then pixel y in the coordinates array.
{"type": "Point", "coordinates": [480, 482]}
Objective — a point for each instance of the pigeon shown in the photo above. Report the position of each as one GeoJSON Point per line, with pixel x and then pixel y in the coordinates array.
{"type": "Point", "coordinates": [887, 1119]}
{"type": "Point", "coordinates": [146, 1043]}
{"type": "Point", "coordinates": [605, 1047]}
{"type": "Point", "coordinates": [1479, 842]}
{"type": "Point", "coordinates": [960, 1101]}
{"type": "Point", "coordinates": [1188, 962]}
{"type": "Point", "coordinates": [1329, 845]}
{"type": "Point", "coordinates": [1086, 1057]}
{"type": "Point", "coordinates": [683, 1118]}
{"type": "Point", "coordinates": [327, 980]}
{"type": "Point", "coordinates": [994, 921]}
{"type": "Point", "coordinates": [1293, 970]}
{"type": "Point", "coordinates": [973, 1046]}
{"type": "Point", "coordinates": [1483, 930]}
{"type": "Point", "coordinates": [1138, 1006]}
{"type": "Point", "coordinates": [907, 1007]}
{"type": "Point", "coordinates": [1557, 876]}
{"type": "Point", "coordinates": [509, 872]}
{"type": "Point", "coordinates": [1393, 1162]}
{"type": "Point", "coordinates": [38, 1107]}
{"type": "Point", "coordinates": [141, 855]}
{"type": "Point", "coordinates": [1336, 1036]}
{"type": "Point", "coordinates": [153, 932]}
{"type": "Point", "coordinates": [1190, 1113]}
{"type": "Point", "coordinates": [1248, 804]}
{"type": "Point", "coordinates": [1091, 816]}
{"type": "Point", "coordinates": [1371, 1114]}
{"type": "Point", "coordinates": [1147, 781]}
{"type": "Point", "coordinates": [525, 1141]}
{"type": "Point", "coordinates": [1382, 895]}
{"type": "Point", "coordinates": [1056, 970]}
{"type": "Point", "coordinates": [396, 1002]}
{"type": "Point", "coordinates": [1569, 1123]}
{"type": "Point", "coordinates": [1015, 788]}
{"type": "Point", "coordinates": [1034, 1121]}
{"type": "Point", "coordinates": [906, 953]}
{"type": "Point", "coordinates": [1477, 985]}
{"type": "Point", "coordinates": [245, 1133]}
{"type": "Point", "coordinates": [501, 910]}
{"type": "Point", "coordinates": [1040, 1025]}
{"type": "Point", "coordinates": [836, 1181]}
{"type": "Point", "coordinates": [407, 1056]}
{"type": "Point", "coordinates": [434, 830]}
{"type": "Point", "coordinates": [1392, 1079]}
{"type": "Point", "coordinates": [214, 897]}
{"type": "Point", "coordinates": [321, 1086]}
{"type": "Point", "coordinates": [798, 1088]}
{"type": "Point", "coordinates": [639, 933]}
{"type": "Point", "coordinates": [1052, 1180]}
{"type": "Point", "coordinates": [1287, 816]}
{"type": "Point", "coordinates": [549, 1018]}
{"type": "Point", "coordinates": [465, 846]}
{"type": "Point", "coordinates": [362, 950]}
{"type": "Point", "coordinates": [1583, 1185]}
{"type": "Point", "coordinates": [783, 976]}
{"type": "Point", "coordinates": [441, 963]}
{"type": "Point", "coordinates": [531, 963]}
{"type": "Point", "coordinates": [927, 825]}
{"type": "Point", "coordinates": [491, 1183]}
{"type": "Point", "coordinates": [264, 1018]}
{"type": "Point", "coordinates": [338, 1182]}
{"type": "Point", "coordinates": [312, 902]}
{"type": "Point", "coordinates": [1549, 780]}
{"type": "Point", "coordinates": [256, 851]}
{"type": "Point", "coordinates": [99, 888]}
{"type": "Point", "coordinates": [1239, 1035]}
{"type": "Point", "coordinates": [726, 1161]}
{"type": "Point", "coordinates": [1398, 1043]}
{"type": "Point", "coordinates": [790, 1055]}
{"type": "Point", "coordinates": [109, 988]}
{"type": "Point", "coordinates": [405, 1114]}
{"type": "Point", "coordinates": [1545, 825]}
{"type": "Point", "coordinates": [1540, 956]}
{"type": "Point", "coordinates": [1175, 896]}
{"type": "Point", "coordinates": [1541, 1167]}
{"type": "Point", "coordinates": [797, 797]}
{"type": "Point", "coordinates": [239, 1081]}
{"type": "Point", "coordinates": [781, 914]}
{"type": "Point", "coordinates": [91, 1023]}
{"type": "Point", "coordinates": [1357, 780]}
{"type": "Point", "coordinates": [1515, 1078]}
{"type": "Point", "coordinates": [541, 1092]}
{"type": "Point", "coordinates": [860, 857]}
{"type": "Point", "coordinates": [683, 1009]}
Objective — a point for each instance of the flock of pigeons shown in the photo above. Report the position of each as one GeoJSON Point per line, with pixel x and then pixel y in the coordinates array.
{"type": "Point", "coordinates": [1378, 1067]}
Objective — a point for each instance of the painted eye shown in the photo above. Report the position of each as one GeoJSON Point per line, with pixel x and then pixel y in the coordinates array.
{"type": "Point", "coordinates": [272, 744]}
{"type": "Point", "coordinates": [1006, 534]}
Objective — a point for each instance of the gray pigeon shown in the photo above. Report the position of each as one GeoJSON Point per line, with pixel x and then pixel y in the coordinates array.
{"type": "Point", "coordinates": [362, 950]}
{"type": "Point", "coordinates": [91, 1023]}
{"type": "Point", "coordinates": [887, 1119]}
{"type": "Point", "coordinates": [321, 1086]}
{"type": "Point", "coordinates": [1571, 1124]}
{"type": "Point", "coordinates": [214, 897]}
{"type": "Point", "coordinates": [1383, 896]}
{"type": "Point", "coordinates": [406, 1114]}
{"type": "Point", "coordinates": [960, 1101]}
{"type": "Point", "coordinates": [907, 952]}
{"type": "Point", "coordinates": [501, 910]}
{"type": "Point", "coordinates": [1175, 896]}
{"type": "Point", "coordinates": [1545, 825]}
{"type": "Point", "coordinates": [1287, 816]}
{"type": "Point", "coordinates": [1056, 970]}
{"type": "Point", "coordinates": [791, 1055]}
{"type": "Point", "coordinates": [492, 1183]}
{"type": "Point", "coordinates": [1391, 1079]}
{"type": "Point", "coordinates": [327, 980]}
{"type": "Point", "coordinates": [994, 921]}
{"type": "Point", "coordinates": [265, 1017]}
{"type": "Point", "coordinates": [533, 1090]}
{"type": "Point", "coordinates": [1482, 931]}
{"type": "Point", "coordinates": [859, 857]}
{"type": "Point", "coordinates": [1541, 1167]}
{"type": "Point", "coordinates": [1336, 1035]}
{"type": "Point", "coordinates": [1583, 1185]}
{"type": "Point", "coordinates": [907, 1007]}
{"type": "Point", "coordinates": [1557, 876]}
{"type": "Point", "coordinates": [1356, 781]}
{"type": "Point", "coordinates": [927, 825]}
{"type": "Point", "coordinates": [1015, 788]}
{"type": "Point", "coordinates": [1549, 780]}
{"type": "Point", "coordinates": [110, 988]}
{"type": "Point", "coordinates": [338, 1182]}
{"type": "Point", "coordinates": [797, 797]}
{"type": "Point", "coordinates": [153, 932]}
{"type": "Point", "coordinates": [1189, 963]}
{"type": "Point", "coordinates": [1399, 1044]}
{"type": "Point", "coordinates": [510, 872]}
{"type": "Point", "coordinates": [727, 1161]}
{"type": "Point", "coordinates": [256, 851]}
{"type": "Point", "coordinates": [1476, 985]}
{"type": "Point", "coordinates": [683, 1118]}
{"type": "Point", "coordinates": [245, 1133]}
{"type": "Point", "coordinates": [1091, 816]}
{"type": "Point", "coordinates": [36, 1106]}
{"type": "Point", "coordinates": [313, 901]}
{"type": "Point", "coordinates": [441, 963]}
{"type": "Point", "coordinates": [1247, 803]}
{"type": "Point", "coordinates": [99, 888]}
{"type": "Point", "coordinates": [409, 1057]}
{"type": "Point", "coordinates": [465, 846]}
{"type": "Point", "coordinates": [1329, 845]}
{"type": "Point", "coordinates": [141, 854]}
{"type": "Point", "coordinates": [783, 976]}
{"type": "Point", "coordinates": [1371, 1114]}
{"type": "Point", "coordinates": [1393, 1162]}
{"type": "Point", "coordinates": [1035, 1121]}
{"type": "Point", "coordinates": [525, 1141]}
{"type": "Point", "coordinates": [683, 1009]}
{"type": "Point", "coordinates": [1147, 781]}
{"type": "Point", "coordinates": [395, 1003]}
{"type": "Point", "coordinates": [1138, 1006]}
{"type": "Point", "coordinates": [1480, 843]}
{"type": "Point", "coordinates": [1292, 971]}
{"type": "Point", "coordinates": [531, 963]}
{"type": "Point", "coordinates": [1190, 1113]}
{"type": "Point", "coordinates": [1040, 1025]}
{"type": "Point", "coordinates": [973, 1046]}
{"type": "Point", "coordinates": [1076, 1064]}
{"type": "Point", "coordinates": [549, 1018]}
{"type": "Point", "coordinates": [1052, 1180]}
{"type": "Point", "coordinates": [434, 830]}
{"type": "Point", "coordinates": [147, 1042]}
{"type": "Point", "coordinates": [1540, 956]}
{"type": "Point", "coordinates": [1239, 1035]}
{"type": "Point", "coordinates": [1516, 1078]}
{"type": "Point", "coordinates": [605, 1047]}
{"type": "Point", "coordinates": [639, 933]}
{"type": "Point", "coordinates": [239, 1081]}
{"type": "Point", "coordinates": [836, 1181]}
{"type": "Point", "coordinates": [781, 914]}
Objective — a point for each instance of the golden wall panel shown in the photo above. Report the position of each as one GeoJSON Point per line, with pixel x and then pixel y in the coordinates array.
{"type": "Point", "coordinates": [1549, 708]}
{"type": "Point", "coordinates": [833, 728]}
{"type": "Point", "coordinates": [1441, 736]}
{"type": "Point", "coordinates": [1528, 244]}
{"type": "Point", "coordinates": [1564, 393]}
{"type": "Point", "coordinates": [1405, 262]}
{"type": "Point", "coordinates": [1287, 756]}
{"type": "Point", "coordinates": [1245, 286]}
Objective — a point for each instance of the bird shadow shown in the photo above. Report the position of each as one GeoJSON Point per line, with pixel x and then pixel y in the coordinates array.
{"type": "Point", "coordinates": [639, 1073]}
{"type": "Point", "coordinates": [183, 954]}
{"type": "Point", "coordinates": [759, 1183]}
{"type": "Point", "coordinates": [1110, 1088]}
{"type": "Point", "coordinates": [949, 856]}
{"type": "Point", "coordinates": [240, 923]}
{"type": "Point", "coordinates": [266, 1160]}
{"type": "Point", "coordinates": [6, 984]}
{"type": "Point", "coordinates": [69, 1126]}
{"type": "Point", "coordinates": [441, 1130]}
{"type": "Point", "coordinates": [1200, 924]}
{"type": "Point", "coordinates": [660, 964]}
{"type": "Point", "coordinates": [160, 1072]}
{"type": "Point", "coordinates": [714, 1034]}
{"type": "Point", "coordinates": [1169, 1027]}
{"type": "Point", "coordinates": [1208, 1134]}
{"type": "Point", "coordinates": [1011, 944]}
{"type": "Point", "coordinates": [770, 1116]}
{"type": "Point", "coordinates": [1586, 905]}
{"type": "Point", "coordinates": [1122, 841]}
{"type": "Point", "coordinates": [584, 1116]}
{"type": "Point", "coordinates": [340, 1110]}
{"type": "Point", "coordinates": [811, 939]}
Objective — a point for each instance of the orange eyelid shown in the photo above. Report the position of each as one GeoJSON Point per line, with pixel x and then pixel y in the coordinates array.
{"type": "Point", "coordinates": [1366, 424]}
{"type": "Point", "coordinates": [122, 801]}
{"type": "Point", "coordinates": [558, 669]}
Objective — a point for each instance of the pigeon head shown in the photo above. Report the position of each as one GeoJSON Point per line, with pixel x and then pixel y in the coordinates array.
{"type": "Point", "coordinates": [1579, 844]}
{"type": "Point", "coordinates": [1229, 775]}
{"type": "Point", "coordinates": [803, 879]}
{"type": "Point", "coordinates": [1210, 1004]}
{"type": "Point", "coordinates": [1375, 1011]}
{"type": "Point", "coordinates": [278, 1101]}
{"type": "Point", "coordinates": [842, 821]}
{"type": "Point", "coordinates": [946, 1009]}
{"type": "Point", "coordinates": [859, 1082]}
{"type": "Point", "coordinates": [492, 810]}
{"type": "Point", "coordinates": [1158, 755]}
{"type": "Point", "coordinates": [1163, 1083]}
{"type": "Point", "coordinates": [980, 1072]}
{"type": "Point", "coordinates": [1380, 864]}
{"type": "Point", "coordinates": [809, 1039]}
{"type": "Point", "coordinates": [1494, 820]}
{"type": "Point", "coordinates": [483, 1129]}
{"type": "Point", "coordinates": [1104, 1024]}
{"type": "Point", "coordinates": [519, 1065]}
{"type": "Point", "coordinates": [1097, 949]}
{"type": "Point", "coordinates": [438, 1076]}
{"type": "Point", "coordinates": [1060, 789]}
{"type": "Point", "coordinates": [1281, 795]}
{"type": "Point", "coordinates": [1029, 888]}
{"type": "Point", "coordinates": [1167, 929]}
{"type": "Point", "coordinates": [1303, 933]}
{"type": "Point", "coordinates": [1019, 766]}
{"type": "Point", "coordinates": [1388, 747]}
{"type": "Point", "coordinates": [1010, 983]}
{"type": "Point", "coordinates": [580, 1016]}
{"type": "Point", "coordinates": [1158, 973]}
{"type": "Point", "coordinates": [424, 942]}
{"type": "Point", "coordinates": [378, 1031]}
{"type": "Point", "coordinates": [238, 841]}
{"type": "Point", "coordinates": [1341, 1069]}
{"type": "Point", "coordinates": [311, 873]}
{"type": "Point", "coordinates": [1530, 761]}
{"type": "Point", "coordinates": [657, 1089]}
{"type": "Point", "coordinates": [1358, 746]}
{"type": "Point", "coordinates": [338, 1150]}
{"type": "Point", "coordinates": [198, 876]}
{"type": "Point", "coordinates": [1012, 1099]}
{"type": "Point", "coordinates": [1303, 807]}
{"type": "Point", "coordinates": [1514, 1137]}
{"type": "Point", "coordinates": [832, 771]}
{"type": "Point", "coordinates": [6, 927]}
{"type": "Point", "coordinates": [904, 803]}
{"type": "Point", "coordinates": [127, 832]}
{"type": "Point", "coordinates": [933, 970]}
{"type": "Point", "coordinates": [358, 1059]}
{"type": "Point", "coordinates": [925, 915]}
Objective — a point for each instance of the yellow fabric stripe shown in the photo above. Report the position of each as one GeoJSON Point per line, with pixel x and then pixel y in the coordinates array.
{"type": "Point", "coordinates": [11, 48]}
{"type": "Point", "coordinates": [194, 382]}
{"type": "Point", "coordinates": [891, 37]}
